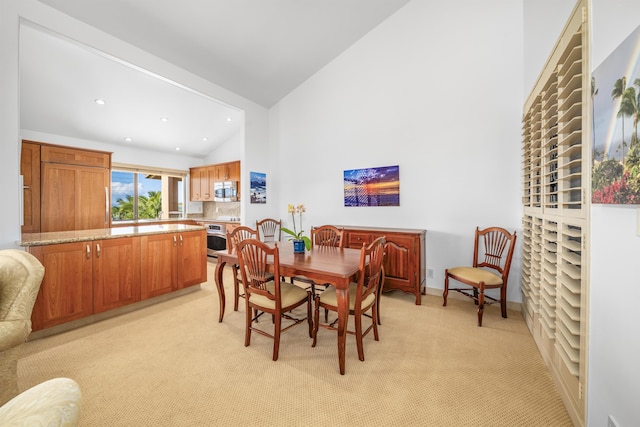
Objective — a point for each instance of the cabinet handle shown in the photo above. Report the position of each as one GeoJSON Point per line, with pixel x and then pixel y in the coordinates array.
{"type": "Point", "coordinates": [181, 240]}
{"type": "Point", "coordinates": [174, 241]}
{"type": "Point", "coordinates": [97, 250]}
{"type": "Point", "coordinates": [88, 251]}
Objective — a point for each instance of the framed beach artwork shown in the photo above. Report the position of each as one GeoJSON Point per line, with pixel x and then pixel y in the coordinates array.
{"type": "Point", "coordinates": [378, 186]}
{"type": "Point", "coordinates": [615, 89]}
{"type": "Point", "coordinates": [258, 187]}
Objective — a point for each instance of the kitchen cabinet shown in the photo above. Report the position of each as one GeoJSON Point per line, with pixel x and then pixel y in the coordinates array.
{"type": "Point", "coordinates": [30, 171]}
{"type": "Point", "coordinates": [74, 197]}
{"type": "Point", "coordinates": [404, 264]}
{"type": "Point", "coordinates": [66, 188]}
{"type": "Point", "coordinates": [66, 291]}
{"type": "Point", "coordinates": [75, 156]}
{"type": "Point", "coordinates": [202, 179]}
{"type": "Point", "coordinates": [116, 273]}
{"type": "Point", "coordinates": [90, 277]}
{"type": "Point", "coordinates": [85, 278]}
{"type": "Point", "coordinates": [200, 184]}
{"type": "Point", "coordinates": [172, 261]}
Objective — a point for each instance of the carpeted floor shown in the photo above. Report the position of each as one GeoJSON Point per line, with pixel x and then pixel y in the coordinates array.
{"type": "Point", "coordinates": [173, 364]}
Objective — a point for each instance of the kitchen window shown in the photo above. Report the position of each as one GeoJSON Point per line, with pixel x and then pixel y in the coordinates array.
{"type": "Point", "coordinates": [139, 193]}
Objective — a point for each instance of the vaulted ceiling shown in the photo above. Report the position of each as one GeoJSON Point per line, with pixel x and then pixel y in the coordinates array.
{"type": "Point", "coordinates": [259, 49]}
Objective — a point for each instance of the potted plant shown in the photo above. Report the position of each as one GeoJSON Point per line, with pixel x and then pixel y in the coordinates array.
{"type": "Point", "coordinates": [300, 242]}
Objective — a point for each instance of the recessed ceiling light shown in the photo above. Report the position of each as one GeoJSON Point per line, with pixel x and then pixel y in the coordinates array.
{"type": "Point", "coordinates": [228, 119]}
{"type": "Point", "coordinates": [164, 119]}
{"type": "Point", "coordinates": [99, 101]}
{"type": "Point", "coordinates": [178, 148]}
{"type": "Point", "coordinates": [128, 139]}
{"type": "Point", "coordinates": [205, 139]}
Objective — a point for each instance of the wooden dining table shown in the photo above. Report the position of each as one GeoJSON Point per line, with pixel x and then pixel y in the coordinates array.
{"type": "Point", "coordinates": [322, 264]}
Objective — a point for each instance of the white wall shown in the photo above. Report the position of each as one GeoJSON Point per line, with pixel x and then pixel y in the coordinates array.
{"type": "Point", "coordinates": [255, 133]}
{"type": "Point", "coordinates": [614, 340]}
{"type": "Point", "coordinates": [433, 90]}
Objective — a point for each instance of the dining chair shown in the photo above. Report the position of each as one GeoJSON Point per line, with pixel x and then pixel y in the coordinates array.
{"type": "Point", "coordinates": [233, 238]}
{"type": "Point", "coordinates": [363, 296]}
{"type": "Point", "coordinates": [324, 235]}
{"type": "Point", "coordinates": [269, 229]}
{"type": "Point", "coordinates": [266, 293]}
{"type": "Point", "coordinates": [493, 249]}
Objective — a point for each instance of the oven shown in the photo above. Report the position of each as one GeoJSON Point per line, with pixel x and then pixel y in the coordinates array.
{"type": "Point", "coordinates": [216, 238]}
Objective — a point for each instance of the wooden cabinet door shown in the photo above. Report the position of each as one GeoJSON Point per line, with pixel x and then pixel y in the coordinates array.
{"type": "Point", "coordinates": [75, 156]}
{"type": "Point", "coordinates": [74, 197]}
{"type": "Point", "coordinates": [116, 273]}
{"type": "Point", "coordinates": [192, 258]}
{"type": "Point", "coordinates": [92, 200]}
{"type": "Point", "coordinates": [158, 264]}
{"type": "Point", "coordinates": [201, 187]}
{"type": "Point", "coordinates": [30, 171]}
{"type": "Point", "coordinates": [66, 292]}
{"type": "Point", "coordinates": [234, 171]}
{"type": "Point", "coordinates": [194, 185]}
{"type": "Point", "coordinates": [399, 263]}
{"type": "Point", "coordinates": [208, 183]}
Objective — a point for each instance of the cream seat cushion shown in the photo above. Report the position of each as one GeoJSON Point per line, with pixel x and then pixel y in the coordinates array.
{"type": "Point", "coordinates": [476, 275]}
{"type": "Point", "coordinates": [289, 294]}
{"type": "Point", "coordinates": [55, 402]}
{"type": "Point", "coordinates": [329, 297]}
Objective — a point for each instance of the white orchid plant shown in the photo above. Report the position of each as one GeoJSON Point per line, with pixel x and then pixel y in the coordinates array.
{"type": "Point", "coordinates": [295, 234]}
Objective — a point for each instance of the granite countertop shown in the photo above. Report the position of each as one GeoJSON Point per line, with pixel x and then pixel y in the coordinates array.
{"type": "Point", "coordinates": [56, 237]}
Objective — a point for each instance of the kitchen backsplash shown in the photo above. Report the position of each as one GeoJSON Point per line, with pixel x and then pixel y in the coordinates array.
{"type": "Point", "coordinates": [215, 210]}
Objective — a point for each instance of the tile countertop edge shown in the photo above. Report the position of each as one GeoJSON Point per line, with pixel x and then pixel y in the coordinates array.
{"type": "Point", "coordinates": [57, 237]}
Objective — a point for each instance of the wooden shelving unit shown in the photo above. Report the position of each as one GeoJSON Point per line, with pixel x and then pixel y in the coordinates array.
{"type": "Point", "coordinates": [555, 199]}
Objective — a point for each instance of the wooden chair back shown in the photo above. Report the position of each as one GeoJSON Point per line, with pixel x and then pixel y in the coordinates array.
{"type": "Point", "coordinates": [252, 258]}
{"type": "Point", "coordinates": [269, 229]}
{"type": "Point", "coordinates": [239, 234]}
{"type": "Point", "coordinates": [489, 250]}
{"type": "Point", "coordinates": [371, 265]}
{"type": "Point", "coordinates": [327, 235]}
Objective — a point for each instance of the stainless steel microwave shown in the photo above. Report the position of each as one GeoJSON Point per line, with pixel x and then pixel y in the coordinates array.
{"type": "Point", "coordinates": [226, 191]}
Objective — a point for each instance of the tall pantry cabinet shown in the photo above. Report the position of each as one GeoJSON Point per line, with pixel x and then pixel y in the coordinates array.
{"type": "Point", "coordinates": [556, 175]}
{"type": "Point", "coordinates": [65, 188]}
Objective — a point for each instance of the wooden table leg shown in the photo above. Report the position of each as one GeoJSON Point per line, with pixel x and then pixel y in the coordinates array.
{"type": "Point", "coordinates": [343, 317]}
{"type": "Point", "coordinates": [220, 286]}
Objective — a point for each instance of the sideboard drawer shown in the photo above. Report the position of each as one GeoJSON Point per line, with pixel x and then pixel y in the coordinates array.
{"type": "Point", "coordinates": [356, 240]}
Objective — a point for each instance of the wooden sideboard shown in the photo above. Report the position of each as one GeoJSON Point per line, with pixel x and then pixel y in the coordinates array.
{"type": "Point", "coordinates": [405, 264]}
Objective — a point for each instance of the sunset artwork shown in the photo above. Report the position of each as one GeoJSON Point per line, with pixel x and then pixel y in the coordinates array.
{"type": "Point", "coordinates": [372, 186]}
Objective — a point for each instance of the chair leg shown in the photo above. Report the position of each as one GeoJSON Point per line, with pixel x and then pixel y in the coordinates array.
{"type": "Point", "coordinates": [276, 337]}
{"type": "Point", "coordinates": [358, 322]}
{"type": "Point", "coordinates": [236, 290]}
{"type": "Point", "coordinates": [446, 288]}
{"type": "Point", "coordinates": [247, 332]}
{"type": "Point", "coordinates": [309, 319]}
{"type": "Point", "coordinates": [480, 303]}
{"type": "Point", "coordinates": [316, 320]}
{"type": "Point", "coordinates": [376, 320]}
{"type": "Point", "coordinates": [503, 301]}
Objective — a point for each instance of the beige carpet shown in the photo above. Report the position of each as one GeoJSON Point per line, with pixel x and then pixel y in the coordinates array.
{"type": "Point", "coordinates": [173, 364]}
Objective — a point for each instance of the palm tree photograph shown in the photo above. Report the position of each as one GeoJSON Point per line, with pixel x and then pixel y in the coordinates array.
{"type": "Point", "coordinates": [615, 91]}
